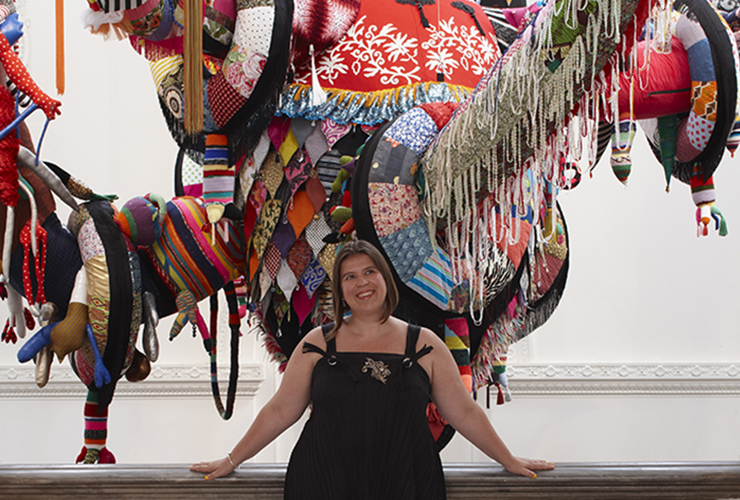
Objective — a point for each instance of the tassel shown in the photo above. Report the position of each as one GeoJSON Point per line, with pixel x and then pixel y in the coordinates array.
{"type": "Point", "coordinates": [318, 96]}
{"type": "Point", "coordinates": [60, 46]}
{"type": "Point", "coordinates": [500, 397]}
{"type": "Point", "coordinates": [719, 221]}
{"type": "Point", "coordinates": [192, 70]}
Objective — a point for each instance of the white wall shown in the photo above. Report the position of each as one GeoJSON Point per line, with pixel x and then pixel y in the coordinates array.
{"type": "Point", "coordinates": [640, 362]}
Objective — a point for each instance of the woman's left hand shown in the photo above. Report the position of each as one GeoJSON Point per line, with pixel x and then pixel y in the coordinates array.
{"type": "Point", "coordinates": [526, 466]}
{"type": "Point", "coordinates": [214, 469]}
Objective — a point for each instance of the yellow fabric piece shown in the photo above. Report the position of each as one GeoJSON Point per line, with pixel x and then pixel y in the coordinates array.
{"type": "Point", "coordinates": [288, 147]}
{"type": "Point", "coordinates": [70, 334]}
{"type": "Point", "coordinates": [163, 67]}
{"type": "Point", "coordinates": [453, 342]}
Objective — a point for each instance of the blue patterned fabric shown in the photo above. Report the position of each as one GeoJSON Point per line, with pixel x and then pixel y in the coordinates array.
{"type": "Point", "coordinates": [408, 249]}
{"type": "Point", "coordinates": [313, 276]}
{"type": "Point", "coordinates": [414, 129]}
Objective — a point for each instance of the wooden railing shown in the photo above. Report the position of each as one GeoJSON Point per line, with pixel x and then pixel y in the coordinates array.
{"type": "Point", "coordinates": [643, 481]}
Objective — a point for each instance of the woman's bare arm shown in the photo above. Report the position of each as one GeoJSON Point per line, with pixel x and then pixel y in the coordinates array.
{"type": "Point", "coordinates": [283, 410]}
{"type": "Point", "coordinates": [463, 413]}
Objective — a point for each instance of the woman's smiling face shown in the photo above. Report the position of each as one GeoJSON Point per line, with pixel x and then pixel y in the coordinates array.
{"type": "Point", "coordinates": [363, 285]}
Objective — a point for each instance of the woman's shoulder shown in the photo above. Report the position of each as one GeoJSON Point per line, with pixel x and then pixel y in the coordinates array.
{"type": "Point", "coordinates": [316, 337]}
{"type": "Point", "coordinates": [428, 337]}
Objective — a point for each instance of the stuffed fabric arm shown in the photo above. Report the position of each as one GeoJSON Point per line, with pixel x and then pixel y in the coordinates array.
{"type": "Point", "coordinates": [20, 76]}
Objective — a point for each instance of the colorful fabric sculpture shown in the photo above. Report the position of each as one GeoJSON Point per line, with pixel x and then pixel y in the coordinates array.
{"type": "Point", "coordinates": [401, 124]}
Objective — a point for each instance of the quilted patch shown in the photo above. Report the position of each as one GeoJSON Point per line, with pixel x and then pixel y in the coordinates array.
{"type": "Point", "coordinates": [393, 207]}
{"type": "Point", "coordinates": [408, 249]}
{"type": "Point", "coordinates": [434, 280]}
{"type": "Point", "coordinates": [414, 129]}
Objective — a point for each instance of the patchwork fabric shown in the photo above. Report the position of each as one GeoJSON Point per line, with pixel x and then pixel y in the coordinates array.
{"type": "Point", "coordinates": [334, 131]}
{"type": "Point", "coordinates": [315, 232]}
{"type": "Point", "coordinates": [286, 280]}
{"type": "Point", "coordinates": [704, 96]}
{"type": "Point", "coordinates": [284, 236]}
{"type": "Point", "coordinates": [297, 171]}
{"type": "Point", "coordinates": [223, 100]}
{"type": "Point", "coordinates": [269, 217]}
{"type": "Point", "coordinates": [316, 193]}
{"type": "Point", "coordinates": [271, 260]}
{"type": "Point", "coordinates": [313, 276]}
{"type": "Point", "coordinates": [300, 212]}
{"type": "Point", "coordinates": [699, 131]}
{"type": "Point", "coordinates": [393, 207]}
{"type": "Point", "coordinates": [434, 280]}
{"type": "Point", "coordinates": [327, 256]}
{"type": "Point", "coordinates": [394, 162]}
{"type": "Point", "coordinates": [272, 172]}
{"type": "Point", "coordinates": [299, 256]}
{"type": "Point", "coordinates": [408, 249]}
{"type": "Point", "coordinates": [316, 145]}
{"type": "Point", "coordinates": [89, 241]}
{"type": "Point", "coordinates": [414, 129]}
{"type": "Point", "coordinates": [253, 27]}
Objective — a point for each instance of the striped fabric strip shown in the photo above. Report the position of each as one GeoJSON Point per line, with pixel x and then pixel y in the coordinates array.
{"type": "Point", "coordinates": [116, 5]}
{"type": "Point", "coordinates": [218, 175]}
{"type": "Point", "coordinates": [434, 280]}
{"type": "Point", "coordinates": [195, 214]}
{"type": "Point", "coordinates": [177, 261]}
{"type": "Point", "coordinates": [163, 67]}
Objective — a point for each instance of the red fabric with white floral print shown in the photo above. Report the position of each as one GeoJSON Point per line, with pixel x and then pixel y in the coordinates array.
{"type": "Point", "coordinates": [388, 47]}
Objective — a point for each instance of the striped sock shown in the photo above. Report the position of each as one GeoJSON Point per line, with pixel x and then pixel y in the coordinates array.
{"type": "Point", "coordinates": [218, 177]}
{"type": "Point", "coordinates": [96, 426]}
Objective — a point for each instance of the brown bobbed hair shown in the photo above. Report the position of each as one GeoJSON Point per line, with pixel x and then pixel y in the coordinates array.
{"type": "Point", "coordinates": [348, 250]}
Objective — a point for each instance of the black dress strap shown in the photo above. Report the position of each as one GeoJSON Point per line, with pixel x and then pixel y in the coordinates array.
{"type": "Point", "coordinates": [411, 354]}
{"type": "Point", "coordinates": [331, 347]}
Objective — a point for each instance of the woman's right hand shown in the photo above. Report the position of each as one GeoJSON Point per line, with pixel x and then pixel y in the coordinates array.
{"type": "Point", "coordinates": [214, 469]}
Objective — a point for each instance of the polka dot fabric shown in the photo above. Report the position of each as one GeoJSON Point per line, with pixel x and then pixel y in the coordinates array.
{"type": "Point", "coordinates": [22, 79]}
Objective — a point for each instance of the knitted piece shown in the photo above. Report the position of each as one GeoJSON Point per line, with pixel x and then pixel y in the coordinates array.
{"type": "Point", "coordinates": [702, 191]}
{"type": "Point", "coordinates": [96, 423]}
{"type": "Point", "coordinates": [457, 341]}
{"type": "Point", "coordinates": [218, 177]}
{"type": "Point", "coordinates": [622, 137]}
{"type": "Point", "coordinates": [189, 256]}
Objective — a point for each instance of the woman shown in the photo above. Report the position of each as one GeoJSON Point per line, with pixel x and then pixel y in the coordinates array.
{"type": "Point", "coordinates": [369, 379]}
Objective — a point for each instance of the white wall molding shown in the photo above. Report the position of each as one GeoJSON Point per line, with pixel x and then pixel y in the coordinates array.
{"type": "Point", "coordinates": [664, 379]}
{"type": "Point", "coordinates": [177, 381]}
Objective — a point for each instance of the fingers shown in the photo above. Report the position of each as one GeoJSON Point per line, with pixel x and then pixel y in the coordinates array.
{"type": "Point", "coordinates": [541, 465]}
{"type": "Point", "coordinates": [213, 470]}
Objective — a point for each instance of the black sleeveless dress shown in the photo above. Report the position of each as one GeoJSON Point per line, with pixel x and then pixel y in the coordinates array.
{"type": "Point", "coordinates": [368, 437]}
